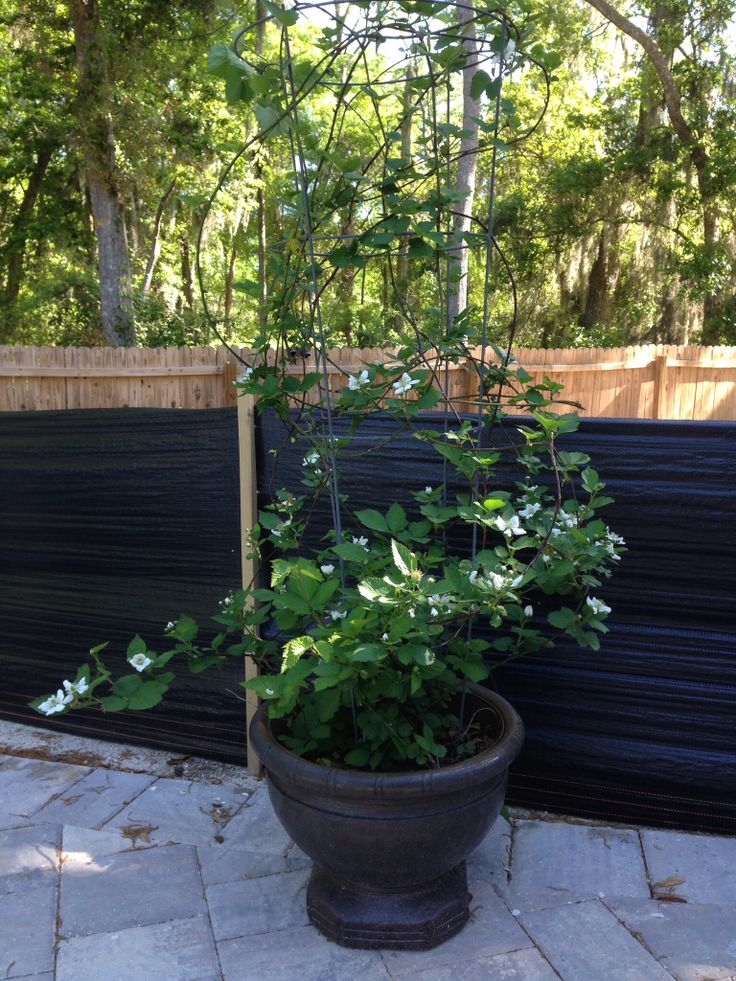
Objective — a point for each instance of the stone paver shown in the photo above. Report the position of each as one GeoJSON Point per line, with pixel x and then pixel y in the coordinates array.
{"type": "Point", "coordinates": [520, 965]}
{"type": "Point", "coordinates": [27, 922]}
{"type": "Point", "coordinates": [219, 863]}
{"type": "Point", "coordinates": [26, 785]}
{"type": "Point", "coordinates": [554, 862]}
{"type": "Point", "coordinates": [257, 828]}
{"type": "Point", "coordinates": [693, 942]}
{"type": "Point", "coordinates": [241, 909]}
{"type": "Point", "coordinates": [95, 799]}
{"type": "Point", "coordinates": [584, 941]}
{"type": "Point", "coordinates": [491, 930]}
{"type": "Point", "coordinates": [30, 849]}
{"type": "Point", "coordinates": [99, 894]}
{"type": "Point", "coordinates": [181, 950]}
{"type": "Point", "coordinates": [299, 953]}
{"type": "Point", "coordinates": [176, 880]}
{"type": "Point", "coordinates": [696, 868]}
{"type": "Point", "coordinates": [181, 811]}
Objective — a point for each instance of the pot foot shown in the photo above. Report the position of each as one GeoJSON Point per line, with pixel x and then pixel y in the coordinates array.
{"type": "Point", "coordinates": [411, 919]}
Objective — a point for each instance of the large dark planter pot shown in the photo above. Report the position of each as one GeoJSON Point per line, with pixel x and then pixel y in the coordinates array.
{"type": "Point", "coordinates": [389, 849]}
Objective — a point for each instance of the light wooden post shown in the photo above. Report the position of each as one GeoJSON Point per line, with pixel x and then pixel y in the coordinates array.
{"type": "Point", "coordinates": [659, 404]}
{"type": "Point", "coordinates": [248, 517]}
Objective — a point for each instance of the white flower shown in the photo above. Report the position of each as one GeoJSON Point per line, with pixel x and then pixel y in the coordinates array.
{"type": "Point", "coordinates": [139, 661]}
{"type": "Point", "coordinates": [170, 625]}
{"type": "Point", "coordinates": [529, 611]}
{"type": "Point", "coordinates": [405, 384]}
{"type": "Point", "coordinates": [76, 688]}
{"type": "Point", "coordinates": [515, 583]}
{"type": "Point", "coordinates": [338, 614]}
{"type": "Point", "coordinates": [566, 520]}
{"type": "Point", "coordinates": [245, 376]}
{"type": "Point", "coordinates": [555, 532]}
{"type": "Point", "coordinates": [360, 541]}
{"type": "Point", "coordinates": [530, 510]}
{"type": "Point", "coordinates": [327, 570]}
{"type": "Point", "coordinates": [276, 533]}
{"type": "Point", "coordinates": [356, 382]}
{"type": "Point", "coordinates": [614, 539]}
{"type": "Point", "coordinates": [598, 607]}
{"type": "Point", "coordinates": [412, 613]}
{"type": "Point", "coordinates": [55, 703]}
{"type": "Point", "coordinates": [509, 527]}
{"type": "Point", "coordinates": [226, 602]}
{"type": "Point", "coordinates": [472, 577]}
{"type": "Point", "coordinates": [427, 489]}
{"type": "Point", "coordinates": [311, 459]}
{"type": "Point", "coordinates": [384, 638]}
{"type": "Point", "coordinates": [497, 580]}
{"type": "Point", "coordinates": [546, 559]}
{"type": "Point", "coordinates": [433, 611]}
{"type": "Point", "coordinates": [269, 691]}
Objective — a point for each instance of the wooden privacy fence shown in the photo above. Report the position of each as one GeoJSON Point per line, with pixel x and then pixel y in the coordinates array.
{"type": "Point", "coordinates": [647, 382]}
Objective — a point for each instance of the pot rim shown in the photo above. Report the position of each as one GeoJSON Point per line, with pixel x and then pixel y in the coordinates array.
{"type": "Point", "coordinates": [479, 769]}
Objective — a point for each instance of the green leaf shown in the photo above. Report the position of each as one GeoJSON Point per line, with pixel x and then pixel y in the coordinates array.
{"type": "Point", "coordinates": [396, 518]}
{"type": "Point", "coordinates": [186, 629]}
{"type": "Point", "coordinates": [563, 618]}
{"type": "Point", "coordinates": [358, 757]}
{"type": "Point", "coordinates": [149, 694]}
{"type": "Point", "coordinates": [373, 519]}
{"type": "Point", "coordinates": [369, 652]}
{"type": "Point", "coordinates": [351, 552]}
{"type": "Point", "coordinates": [113, 703]}
{"type": "Point", "coordinates": [294, 650]}
{"type": "Point", "coordinates": [286, 17]}
{"type": "Point", "coordinates": [479, 84]}
{"type": "Point", "coordinates": [404, 560]}
{"type": "Point", "coordinates": [127, 685]}
{"type": "Point", "coordinates": [136, 646]}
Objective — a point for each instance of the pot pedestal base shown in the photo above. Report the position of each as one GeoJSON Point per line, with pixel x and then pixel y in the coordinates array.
{"type": "Point", "coordinates": [412, 919]}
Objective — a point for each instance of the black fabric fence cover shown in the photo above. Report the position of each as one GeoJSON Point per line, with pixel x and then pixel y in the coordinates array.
{"type": "Point", "coordinates": [644, 730]}
{"type": "Point", "coordinates": [113, 522]}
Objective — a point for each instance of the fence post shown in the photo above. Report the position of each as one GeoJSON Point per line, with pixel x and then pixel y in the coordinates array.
{"type": "Point", "coordinates": [659, 402]}
{"type": "Point", "coordinates": [248, 516]}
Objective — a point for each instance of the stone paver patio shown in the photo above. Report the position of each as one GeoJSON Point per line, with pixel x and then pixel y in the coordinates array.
{"type": "Point", "coordinates": [108, 875]}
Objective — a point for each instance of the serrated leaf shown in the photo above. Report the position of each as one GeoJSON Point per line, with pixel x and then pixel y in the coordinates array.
{"type": "Point", "coordinates": [127, 685]}
{"type": "Point", "coordinates": [294, 650]}
{"type": "Point", "coordinates": [369, 652]}
{"type": "Point", "coordinates": [373, 519]}
{"type": "Point", "coordinates": [404, 560]}
{"type": "Point", "coordinates": [113, 703]}
{"type": "Point", "coordinates": [149, 694]}
{"type": "Point", "coordinates": [136, 646]}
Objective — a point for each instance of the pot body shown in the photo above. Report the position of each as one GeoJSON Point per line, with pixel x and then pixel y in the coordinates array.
{"type": "Point", "coordinates": [389, 848]}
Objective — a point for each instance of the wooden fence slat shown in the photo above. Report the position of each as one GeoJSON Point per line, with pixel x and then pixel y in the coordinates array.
{"type": "Point", "coordinates": [650, 381]}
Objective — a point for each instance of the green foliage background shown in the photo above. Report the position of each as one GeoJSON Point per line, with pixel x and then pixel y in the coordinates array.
{"type": "Point", "coordinates": [600, 212]}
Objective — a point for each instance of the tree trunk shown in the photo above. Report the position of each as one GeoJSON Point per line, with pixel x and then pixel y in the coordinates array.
{"type": "Point", "coordinates": [97, 144]}
{"type": "Point", "coordinates": [402, 259]}
{"type": "Point", "coordinates": [230, 274]}
{"type": "Point", "coordinates": [712, 304]}
{"type": "Point", "coordinates": [261, 193]}
{"type": "Point", "coordinates": [457, 299]}
{"type": "Point", "coordinates": [18, 237]}
{"type": "Point", "coordinates": [155, 252]}
{"type": "Point", "coordinates": [187, 280]}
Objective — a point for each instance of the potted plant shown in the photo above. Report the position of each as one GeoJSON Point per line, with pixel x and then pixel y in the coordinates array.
{"type": "Point", "coordinates": [386, 758]}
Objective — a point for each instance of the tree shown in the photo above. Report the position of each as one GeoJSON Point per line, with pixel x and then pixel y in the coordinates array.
{"type": "Point", "coordinates": [97, 148]}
